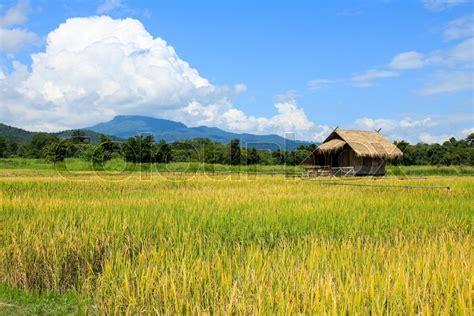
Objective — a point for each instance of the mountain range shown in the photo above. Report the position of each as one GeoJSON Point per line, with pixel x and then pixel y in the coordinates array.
{"type": "Point", "coordinates": [21, 136]}
{"type": "Point", "coordinates": [124, 126]}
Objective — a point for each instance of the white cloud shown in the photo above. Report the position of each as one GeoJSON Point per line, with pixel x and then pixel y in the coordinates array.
{"type": "Point", "coordinates": [459, 28]}
{"type": "Point", "coordinates": [374, 74]}
{"type": "Point", "coordinates": [459, 55]}
{"type": "Point", "coordinates": [14, 39]}
{"type": "Point", "coordinates": [439, 5]}
{"type": "Point", "coordinates": [240, 88]}
{"type": "Point", "coordinates": [97, 67]}
{"type": "Point", "coordinates": [390, 125]}
{"type": "Point", "coordinates": [416, 130]}
{"type": "Point", "coordinates": [409, 123]}
{"type": "Point", "coordinates": [373, 124]}
{"type": "Point", "coordinates": [449, 82]}
{"type": "Point", "coordinates": [16, 15]}
{"type": "Point", "coordinates": [109, 5]}
{"type": "Point", "coordinates": [408, 60]}
{"type": "Point", "coordinates": [290, 119]}
{"type": "Point", "coordinates": [317, 84]}
{"type": "Point", "coordinates": [396, 129]}
{"type": "Point", "coordinates": [468, 131]}
{"type": "Point", "coordinates": [320, 133]}
{"type": "Point", "coordinates": [430, 139]}
{"type": "Point", "coordinates": [462, 54]}
{"type": "Point", "coordinates": [363, 80]}
{"type": "Point", "coordinates": [367, 79]}
{"type": "Point", "coordinates": [94, 68]}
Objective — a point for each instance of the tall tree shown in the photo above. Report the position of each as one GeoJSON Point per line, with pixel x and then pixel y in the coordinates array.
{"type": "Point", "coordinates": [12, 147]}
{"type": "Point", "coordinates": [163, 152]}
{"type": "Point", "coordinates": [55, 152]}
{"type": "Point", "coordinates": [3, 147]}
{"type": "Point", "coordinates": [138, 149]}
{"type": "Point", "coordinates": [235, 152]}
{"type": "Point", "coordinates": [252, 156]}
{"type": "Point", "coordinates": [39, 140]}
{"type": "Point", "coordinates": [470, 139]}
{"type": "Point", "coordinates": [106, 147]}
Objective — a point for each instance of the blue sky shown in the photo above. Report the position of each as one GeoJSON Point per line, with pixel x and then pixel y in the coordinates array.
{"type": "Point", "coordinates": [281, 67]}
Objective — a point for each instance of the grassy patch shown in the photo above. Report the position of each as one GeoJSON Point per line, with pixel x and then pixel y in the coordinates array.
{"type": "Point", "coordinates": [120, 166]}
{"type": "Point", "coordinates": [14, 301]}
{"type": "Point", "coordinates": [430, 170]}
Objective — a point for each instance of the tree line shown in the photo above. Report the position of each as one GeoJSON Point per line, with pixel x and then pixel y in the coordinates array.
{"type": "Point", "coordinates": [145, 149]}
{"type": "Point", "coordinates": [451, 152]}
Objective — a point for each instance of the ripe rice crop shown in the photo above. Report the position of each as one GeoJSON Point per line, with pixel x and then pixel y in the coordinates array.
{"type": "Point", "coordinates": [239, 244]}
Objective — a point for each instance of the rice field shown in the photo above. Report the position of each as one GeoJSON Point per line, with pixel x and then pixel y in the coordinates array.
{"type": "Point", "coordinates": [244, 244]}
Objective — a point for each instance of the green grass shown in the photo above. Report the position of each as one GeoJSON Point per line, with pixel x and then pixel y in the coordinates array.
{"type": "Point", "coordinates": [430, 170]}
{"type": "Point", "coordinates": [25, 163]}
{"type": "Point", "coordinates": [14, 301]}
{"type": "Point", "coordinates": [243, 245]}
{"type": "Point", "coordinates": [118, 165]}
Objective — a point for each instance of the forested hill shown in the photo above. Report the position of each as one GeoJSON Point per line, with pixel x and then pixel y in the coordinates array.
{"type": "Point", "coordinates": [122, 127]}
{"type": "Point", "coordinates": [22, 136]}
{"type": "Point", "coordinates": [14, 134]}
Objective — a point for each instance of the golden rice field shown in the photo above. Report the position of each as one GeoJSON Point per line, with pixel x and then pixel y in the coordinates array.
{"type": "Point", "coordinates": [245, 245]}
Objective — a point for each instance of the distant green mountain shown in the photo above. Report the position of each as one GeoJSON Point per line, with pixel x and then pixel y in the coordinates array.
{"type": "Point", "coordinates": [19, 135]}
{"type": "Point", "coordinates": [125, 126]}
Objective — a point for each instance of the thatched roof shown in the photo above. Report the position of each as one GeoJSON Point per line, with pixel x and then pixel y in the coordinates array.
{"type": "Point", "coordinates": [364, 144]}
{"type": "Point", "coordinates": [332, 146]}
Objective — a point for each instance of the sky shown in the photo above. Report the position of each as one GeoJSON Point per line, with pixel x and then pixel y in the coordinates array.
{"type": "Point", "coordinates": [293, 68]}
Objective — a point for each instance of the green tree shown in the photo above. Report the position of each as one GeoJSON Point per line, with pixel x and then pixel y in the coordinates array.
{"type": "Point", "coordinates": [3, 147]}
{"type": "Point", "coordinates": [105, 149]}
{"type": "Point", "coordinates": [39, 140]}
{"type": "Point", "coordinates": [163, 152]}
{"type": "Point", "coordinates": [55, 152]}
{"type": "Point", "coordinates": [235, 153]}
{"type": "Point", "coordinates": [470, 139]}
{"type": "Point", "coordinates": [138, 149]}
{"type": "Point", "coordinates": [435, 154]}
{"type": "Point", "coordinates": [12, 148]}
{"type": "Point", "coordinates": [310, 147]}
{"type": "Point", "coordinates": [278, 157]}
{"type": "Point", "coordinates": [109, 144]}
{"type": "Point", "coordinates": [252, 156]}
{"type": "Point", "coordinates": [99, 156]}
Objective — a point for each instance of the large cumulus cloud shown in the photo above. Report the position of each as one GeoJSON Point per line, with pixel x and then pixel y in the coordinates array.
{"type": "Point", "coordinates": [96, 67]}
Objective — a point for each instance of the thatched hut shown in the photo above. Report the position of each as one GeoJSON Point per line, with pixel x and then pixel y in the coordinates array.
{"type": "Point", "coordinates": [354, 153]}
